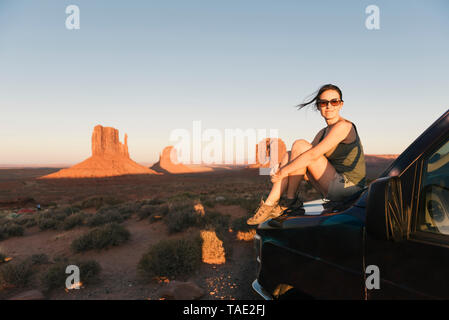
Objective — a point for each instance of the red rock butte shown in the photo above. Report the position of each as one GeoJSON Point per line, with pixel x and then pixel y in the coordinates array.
{"type": "Point", "coordinates": [168, 163]}
{"type": "Point", "coordinates": [109, 158]}
{"type": "Point", "coordinates": [265, 149]}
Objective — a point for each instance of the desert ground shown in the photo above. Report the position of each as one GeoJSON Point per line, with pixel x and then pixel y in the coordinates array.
{"type": "Point", "coordinates": [144, 205]}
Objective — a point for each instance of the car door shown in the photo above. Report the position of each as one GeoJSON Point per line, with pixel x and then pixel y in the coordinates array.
{"type": "Point", "coordinates": [417, 266]}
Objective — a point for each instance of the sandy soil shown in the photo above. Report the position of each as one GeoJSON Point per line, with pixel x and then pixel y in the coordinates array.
{"type": "Point", "coordinates": [119, 278]}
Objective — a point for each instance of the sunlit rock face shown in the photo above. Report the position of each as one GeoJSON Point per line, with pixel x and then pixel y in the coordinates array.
{"type": "Point", "coordinates": [105, 142]}
{"type": "Point", "coordinates": [109, 158]}
{"type": "Point", "coordinates": [269, 152]}
{"type": "Point", "coordinates": [169, 163]}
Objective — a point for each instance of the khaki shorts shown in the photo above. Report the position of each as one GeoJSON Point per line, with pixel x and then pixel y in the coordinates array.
{"type": "Point", "coordinates": [341, 187]}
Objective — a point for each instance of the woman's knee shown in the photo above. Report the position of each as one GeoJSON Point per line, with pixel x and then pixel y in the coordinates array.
{"type": "Point", "coordinates": [286, 158]}
{"type": "Point", "coordinates": [300, 146]}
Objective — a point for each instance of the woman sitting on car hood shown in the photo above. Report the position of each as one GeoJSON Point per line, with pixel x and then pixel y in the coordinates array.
{"type": "Point", "coordinates": [334, 162]}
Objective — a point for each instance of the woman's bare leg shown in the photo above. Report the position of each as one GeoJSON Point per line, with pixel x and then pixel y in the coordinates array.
{"type": "Point", "coordinates": [321, 171]}
{"type": "Point", "coordinates": [278, 187]}
{"type": "Point", "coordinates": [295, 178]}
{"type": "Point", "coordinates": [291, 183]}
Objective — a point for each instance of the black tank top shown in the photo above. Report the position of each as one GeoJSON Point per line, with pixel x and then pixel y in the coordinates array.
{"type": "Point", "coordinates": [349, 159]}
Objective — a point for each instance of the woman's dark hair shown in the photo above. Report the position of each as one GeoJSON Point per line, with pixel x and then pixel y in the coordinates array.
{"type": "Point", "coordinates": [317, 94]}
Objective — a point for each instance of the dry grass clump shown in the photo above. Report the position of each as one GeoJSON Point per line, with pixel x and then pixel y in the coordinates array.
{"type": "Point", "coordinates": [55, 277]}
{"type": "Point", "coordinates": [107, 215]}
{"type": "Point", "coordinates": [10, 229]}
{"type": "Point", "coordinates": [180, 217]}
{"type": "Point", "coordinates": [73, 221]}
{"type": "Point", "coordinates": [99, 202]}
{"type": "Point", "coordinates": [16, 274]}
{"type": "Point", "coordinates": [215, 220]}
{"type": "Point", "coordinates": [54, 219]}
{"type": "Point", "coordinates": [102, 237]}
{"type": "Point", "coordinates": [39, 259]}
{"type": "Point", "coordinates": [171, 258]}
{"type": "Point", "coordinates": [154, 209]}
{"type": "Point", "coordinates": [239, 224]}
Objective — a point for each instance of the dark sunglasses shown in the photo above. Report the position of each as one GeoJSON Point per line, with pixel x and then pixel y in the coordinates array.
{"type": "Point", "coordinates": [324, 103]}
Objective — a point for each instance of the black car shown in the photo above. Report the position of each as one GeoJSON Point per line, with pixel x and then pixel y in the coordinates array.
{"type": "Point", "coordinates": [391, 242]}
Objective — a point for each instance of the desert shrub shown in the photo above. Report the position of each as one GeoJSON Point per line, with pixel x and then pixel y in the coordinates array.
{"type": "Point", "coordinates": [159, 213]}
{"type": "Point", "coordinates": [47, 223]}
{"type": "Point", "coordinates": [181, 217]}
{"type": "Point", "coordinates": [3, 221]}
{"type": "Point", "coordinates": [31, 223]}
{"type": "Point", "coordinates": [155, 218]}
{"type": "Point", "coordinates": [240, 224]}
{"type": "Point", "coordinates": [14, 230]}
{"type": "Point", "coordinates": [73, 220]}
{"type": "Point", "coordinates": [99, 202]}
{"type": "Point", "coordinates": [124, 213]}
{"type": "Point", "coordinates": [163, 209]}
{"type": "Point", "coordinates": [99, 238]}
{"type": "Point", "coordinates": [53, 219]}
{"type": "Point", "coordinates": [155, 212]}
{"type": "Point", "coordinates": [111, 201]}
{"type": "Point", "coordinates": [171, 258]}
{"type": "Point", "coordinates": [72, 210]}
{"type": "Point", "coordinates": [39, 258]}
{"type": "Point", "coordinates": [24, 220]}
{"type": "Point", "coordinates": [58, 215]}
{"type": "Point", "coordinates": [58, 219]}
{"type": "Point", "coordinates": [16, 274]}
{"type": "Point", "coordinates": [215, 220]}
{"type": "Point", "coordinates": [208, 203]}
{"type": "Point", "coordinates": [10, 229]}
{"type": "Point", "coordinates": [153, 202]}
{"type": "Point", "coordinates": [95, 202]}
{"type": "Point", "coordinates": [103, 217]}
{"type": "Point", "coordinates": [55, 277]}
{"type": "Point", "coordinates": [145, 211]}
{"type": "Point", "coordinates": [129, 208]}
{"type": "Point", "coordinates": [182, 196]}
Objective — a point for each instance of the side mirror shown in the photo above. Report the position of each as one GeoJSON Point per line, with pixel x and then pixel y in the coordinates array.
{"type": "Point", "coordinates": [386, 218]}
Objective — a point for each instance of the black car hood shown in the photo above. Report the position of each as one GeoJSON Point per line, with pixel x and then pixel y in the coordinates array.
{"type": "Point", "coordinates": [315, 207]}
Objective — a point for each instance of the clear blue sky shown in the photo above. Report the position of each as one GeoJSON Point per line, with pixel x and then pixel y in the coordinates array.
{"type": "Point", "coordinates": [148, 67]}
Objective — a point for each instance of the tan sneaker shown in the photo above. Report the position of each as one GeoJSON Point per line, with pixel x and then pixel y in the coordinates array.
{"type": "Point", "coordinates": [263, 213]}
{"type": "Point", "coordinates": [277, 211]}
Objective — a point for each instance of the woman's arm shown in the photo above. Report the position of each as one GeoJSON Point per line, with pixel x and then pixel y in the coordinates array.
{"type": "Point", "coordinates": [318, 136]}
{"type": "Point", "coordinates": [337, 134]}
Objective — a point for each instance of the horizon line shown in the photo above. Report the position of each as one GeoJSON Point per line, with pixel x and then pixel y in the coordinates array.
{"type": "Point", "coordinates": [67, 165]}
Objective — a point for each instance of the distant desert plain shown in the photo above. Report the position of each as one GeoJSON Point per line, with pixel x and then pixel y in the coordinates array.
{"type": "Point", "coordinates": [165, 231]}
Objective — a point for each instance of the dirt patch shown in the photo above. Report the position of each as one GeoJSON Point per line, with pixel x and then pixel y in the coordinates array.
{"type": "Point", "coordinates": [234, 211]}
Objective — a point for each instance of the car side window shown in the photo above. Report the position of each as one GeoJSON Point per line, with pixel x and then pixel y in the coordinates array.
{"type": "Point", "coordinates": [434, 209]}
